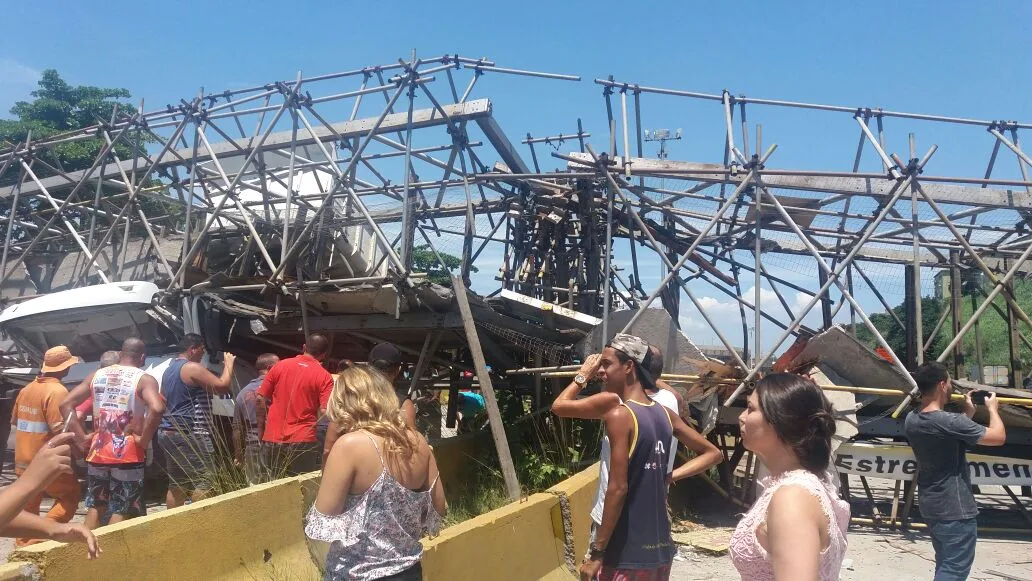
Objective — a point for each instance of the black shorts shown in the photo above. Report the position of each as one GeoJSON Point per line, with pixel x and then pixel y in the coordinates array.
{"type": "Point", "coordinates": [189, 459]}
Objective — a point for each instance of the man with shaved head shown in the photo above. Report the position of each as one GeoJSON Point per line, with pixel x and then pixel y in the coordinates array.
{"type": "Point", "coordinates": [126, 412]}
{"type": "Point", "coordinates": [290, 401]}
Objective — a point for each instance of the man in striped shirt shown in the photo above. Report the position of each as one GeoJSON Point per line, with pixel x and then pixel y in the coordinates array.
{"type": "Point", "coordinates": [246, 440]}
{"type": "Point", "coordinates": [185, 433]}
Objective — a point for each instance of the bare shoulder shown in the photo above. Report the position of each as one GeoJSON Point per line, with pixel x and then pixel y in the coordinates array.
{"type": "Point", "coordinates": [617, 416]}
{"type": "Point", "coordinates": [192, 368]}
{"type": "Point", "coordinates": [794, 501]}
{"type": "Point", "coordinates": [418, 442]}
{"type": "Point", "coordinates": [606, 398]}
{"type": "Point", "coordinates": [148, 380]}
{"type": "Point", "coordinates": [351, 443]}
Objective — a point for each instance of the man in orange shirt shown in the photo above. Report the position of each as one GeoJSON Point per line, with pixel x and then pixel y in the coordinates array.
{"type": "Point", "coordinates": [37, 419]}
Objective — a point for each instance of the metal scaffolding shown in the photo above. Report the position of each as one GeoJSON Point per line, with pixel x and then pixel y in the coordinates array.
{"type": "Point", "coordinates": [305, 203]}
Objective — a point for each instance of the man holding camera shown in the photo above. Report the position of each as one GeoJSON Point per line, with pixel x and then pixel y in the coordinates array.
{"type": "Point", "coordinates": [940, 440]}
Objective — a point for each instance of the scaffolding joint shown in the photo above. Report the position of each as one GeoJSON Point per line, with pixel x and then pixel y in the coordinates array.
{"type": "Point", "coordinates": [459, 137]}
{"type": "Point", "coordinates": [753, 163]}
{"type": "Point", "coordinates": [1002, 126]}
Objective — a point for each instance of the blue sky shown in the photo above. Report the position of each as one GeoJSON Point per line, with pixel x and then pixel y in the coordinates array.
{"type": "Point", "coordinates": [965, 59]}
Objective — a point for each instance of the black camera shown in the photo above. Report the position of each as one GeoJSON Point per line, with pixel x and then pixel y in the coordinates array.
{"type": "Point", "coordinates": [978, 396]}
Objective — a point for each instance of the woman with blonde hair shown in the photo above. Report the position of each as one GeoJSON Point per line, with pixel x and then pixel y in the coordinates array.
{"type": "Point", "coordinates": [380, 490]}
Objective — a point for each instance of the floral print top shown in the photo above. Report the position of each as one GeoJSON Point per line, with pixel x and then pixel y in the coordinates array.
{"type": "Point", "coordinates": [377, 534]}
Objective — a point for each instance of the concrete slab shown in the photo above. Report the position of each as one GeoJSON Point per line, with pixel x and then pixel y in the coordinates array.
{"type": "Point", "coordinates": [837, 350]}
{"type": "Point", "coordinates": [712, 541]}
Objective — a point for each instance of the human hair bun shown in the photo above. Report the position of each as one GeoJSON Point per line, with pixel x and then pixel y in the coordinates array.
{"type": "Point", "coordinates": [801, 416]}
{"type": "Point", "coordinates": [822, 424]}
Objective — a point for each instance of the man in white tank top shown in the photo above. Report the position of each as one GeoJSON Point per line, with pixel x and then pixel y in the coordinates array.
{"type": "Point", "coordinates": [126, 410]}
{"type": "Point", "coordinates": [664, 396]}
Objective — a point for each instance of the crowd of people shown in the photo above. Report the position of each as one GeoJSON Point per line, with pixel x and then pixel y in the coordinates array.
{"type": "Point", "coordinates": [381, 490]}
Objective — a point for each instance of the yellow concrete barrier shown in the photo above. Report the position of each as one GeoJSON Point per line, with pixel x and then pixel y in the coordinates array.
{"type": "Point", "coordinates": [580, 492]}
{"type": "Point", "coordinates": [516, 541]}
{"type": "Point", "coordinates": [255, 533]}
{"type": "Point", "coordinates": [520, 541]}
{"type": "Point", "coordinates": [17, 571]}
{"type": "Point", "coordinates": [258, 534]}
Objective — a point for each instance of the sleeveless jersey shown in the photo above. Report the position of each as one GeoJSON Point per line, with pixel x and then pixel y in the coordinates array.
{"type": "Point", "coordinates": [187, 409]}
{"type": "Point", "coordinates": [117, 412]}
{"type": "Point", "coordinates": [641, 539]}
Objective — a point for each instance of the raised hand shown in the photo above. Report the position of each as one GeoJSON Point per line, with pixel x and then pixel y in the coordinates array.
{"type": "Point", "coordinates": [591, 366]}
{"type": "Point", "coordinates": [991, 402]}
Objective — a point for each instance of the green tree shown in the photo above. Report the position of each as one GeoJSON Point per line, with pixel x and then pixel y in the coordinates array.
{"type": "Point", "coordinates": [896, 336]}
{"type": "Point", "coordinates": [425, 260]}
{"type": "Point", "coordinates": [58, 107]}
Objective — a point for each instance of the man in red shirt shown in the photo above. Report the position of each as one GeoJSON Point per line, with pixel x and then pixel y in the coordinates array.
{"type": "Point", "coordinates": [290, 402]}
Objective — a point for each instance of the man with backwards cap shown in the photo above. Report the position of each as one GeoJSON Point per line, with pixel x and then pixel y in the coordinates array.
{"type": "Point", "coordinates": [36, 420]}
{"type": "Point", "coordinates": [630, 536]}
{"type": "Point", "coordinates": [385, 358]}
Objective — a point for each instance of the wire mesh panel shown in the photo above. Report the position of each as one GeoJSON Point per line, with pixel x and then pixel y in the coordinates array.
{"type": "Point", "coordinates": [533, 347]}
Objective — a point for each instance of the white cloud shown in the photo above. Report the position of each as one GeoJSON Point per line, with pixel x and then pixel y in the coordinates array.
{"type": "Point", "coordinates": [18, 82]}
{"type": "Point", "coordinates": [17, 73]}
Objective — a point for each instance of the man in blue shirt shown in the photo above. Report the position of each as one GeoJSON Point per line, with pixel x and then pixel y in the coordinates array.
{"type": "Point", "coordinates": [246, 441]}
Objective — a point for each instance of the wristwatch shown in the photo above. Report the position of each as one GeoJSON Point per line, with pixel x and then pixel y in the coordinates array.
{"type": "Point", "coordinates": [580, 380]}
{"type": "Point", "coordinates": [596, 552]}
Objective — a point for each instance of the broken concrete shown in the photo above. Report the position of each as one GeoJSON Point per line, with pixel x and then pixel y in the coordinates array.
{"type": "Point", "coordinates": [657, 328]}
{"type": "Point", "coordinates": [853, 362]}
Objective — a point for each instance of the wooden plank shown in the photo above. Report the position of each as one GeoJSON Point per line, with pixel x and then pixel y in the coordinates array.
{"type": "Point", "coordinates": [494, 416]}
{"type": "Point", "coordinates": [967, 195]}
{"type": "Point", "coordinates": [1006, 576]}
{"type": "Point", "coordinates": [909, 488]}
{"type": "Point", "coordinates": [453, 400]}
{"type": "Point", "coordinates": [895, 503]}
{"type": "Point", "coordinates": [1017, 503]}
{"type": "Point", "coordinates": [844, 486]}
{"type": "Point", "coordinates": [870, 498]}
